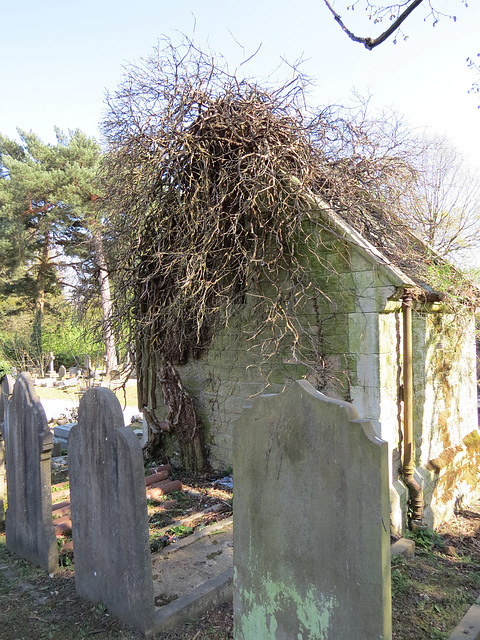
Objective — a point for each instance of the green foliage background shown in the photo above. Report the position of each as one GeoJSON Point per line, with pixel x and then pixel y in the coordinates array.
{"type": "Point", "coordinates": [64, 332]}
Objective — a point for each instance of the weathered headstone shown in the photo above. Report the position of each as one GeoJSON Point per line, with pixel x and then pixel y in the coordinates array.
{"type": "Point", "coordinates": [311, 534]}
{"type": "Point", "coordinates": [29, 441]}
{"type": "Point", "coordinates": [62, 372]}
{"type": "Point", "coordinates": [6, 390]}
{"type": "Point", "coordinates": [109, 511]}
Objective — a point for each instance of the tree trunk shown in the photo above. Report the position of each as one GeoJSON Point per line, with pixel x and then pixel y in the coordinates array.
{"type": "Point", "coordinates": [37, 329]}
{"type": "Point", "coordinates": [183, 421]}
{"type": "Point", "coordinates": [36, 339]}
{"type": "Point", "coordinates": [106, 300]}
{"type": "Point", "coordinates": [159, 380]}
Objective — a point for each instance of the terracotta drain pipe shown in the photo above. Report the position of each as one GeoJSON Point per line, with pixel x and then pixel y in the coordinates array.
{"type": "Point", "coordinates": [415, 490]}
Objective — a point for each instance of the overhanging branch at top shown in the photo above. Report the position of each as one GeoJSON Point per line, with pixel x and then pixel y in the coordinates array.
{"type": "Point", "coordinates": [371, 43]}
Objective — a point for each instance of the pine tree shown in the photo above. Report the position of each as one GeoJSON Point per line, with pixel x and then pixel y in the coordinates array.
{"type": "Point", "coordinates": [48, 196]}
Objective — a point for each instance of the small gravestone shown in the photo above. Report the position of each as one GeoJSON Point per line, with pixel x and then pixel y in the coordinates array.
{"type": "Point", "coordinates": [28, 520]}
{"type": "Point", "coordinates": [109, 511]}
{"type": "Point", "coordinates": [311, 535]}
{"type": "Point", "coordinates": [6, 390]}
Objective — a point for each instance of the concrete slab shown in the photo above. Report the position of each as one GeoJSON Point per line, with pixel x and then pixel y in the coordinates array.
{"type": "Point", "coordinates": [469, 626]}
{"type": "Point", "coordinates": [192, 575]}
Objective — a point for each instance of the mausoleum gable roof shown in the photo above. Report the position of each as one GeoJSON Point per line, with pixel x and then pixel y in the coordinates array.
{"type": "Point", "coordinates": [401, 253]}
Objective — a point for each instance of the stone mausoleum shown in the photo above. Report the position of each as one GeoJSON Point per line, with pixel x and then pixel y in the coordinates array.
{"type": "Point", "coordinates": [375, 298]}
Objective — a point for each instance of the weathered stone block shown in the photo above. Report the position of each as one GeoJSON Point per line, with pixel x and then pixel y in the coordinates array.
{"type": "Point", "coordinates": [29, 441]}
{"type": "Point", "coordinates": [109, 511]}
{"type": "Point", "coordinates": [363, 333]}
{"type": "Point", "coordinates": [312, 547]}
{"type": "Point", "coordinates": [404, 547]}
{"type": "Point", "coordinates": [374, 299]}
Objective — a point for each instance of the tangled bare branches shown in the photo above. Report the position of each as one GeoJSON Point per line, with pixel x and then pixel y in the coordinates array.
{"type": "Point", "coordinates": [209, 178]}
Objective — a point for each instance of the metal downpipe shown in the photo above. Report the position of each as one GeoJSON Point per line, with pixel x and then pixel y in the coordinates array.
{"type": "Point", "coordinates": [415, 500]}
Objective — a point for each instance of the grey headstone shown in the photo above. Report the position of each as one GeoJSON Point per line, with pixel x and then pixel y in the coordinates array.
{"type": "Point", "coordinates": [62, 372]}
{"type": "Point", "coordinates": [109, 511]}
{"type": "Point", "coordinates": [6, 390]}
{"type": "Point", "coordinates": [63, 430]}
{"type": "Point", "coordinates": [311, 535]}
{"type": "Point", "coordinates": [28, 521]}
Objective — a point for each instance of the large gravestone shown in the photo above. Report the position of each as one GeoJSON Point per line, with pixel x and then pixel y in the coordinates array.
{"type": "Point", "coordinates": [29, 441]}
{"type": "Point", "coordinates": [311, 534]}
{"type": "Point", "coordinates": [6, 390]}
{"type": "Point", "coordinates": [109, 511]}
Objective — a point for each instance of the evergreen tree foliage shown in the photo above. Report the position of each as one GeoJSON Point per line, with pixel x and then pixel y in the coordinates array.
{"type": "Point", "coordinates": [48, 221]}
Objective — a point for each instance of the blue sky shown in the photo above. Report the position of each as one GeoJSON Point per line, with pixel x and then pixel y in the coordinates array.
{"type": "Point", "coordinates": [59, 58]}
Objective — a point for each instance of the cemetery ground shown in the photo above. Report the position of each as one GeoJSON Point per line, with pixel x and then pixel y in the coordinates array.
{"type": "Point", "coordinates": [127, 395]}
{"type": "Point", "coordinates": [431, 592]}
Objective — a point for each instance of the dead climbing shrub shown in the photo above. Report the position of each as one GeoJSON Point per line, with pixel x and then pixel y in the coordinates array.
{"type": "Point", "coordinates": [210, 181]}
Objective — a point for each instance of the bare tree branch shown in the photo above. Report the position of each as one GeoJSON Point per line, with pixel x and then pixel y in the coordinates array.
{"type": "Point", "coordinates": [368, 42]}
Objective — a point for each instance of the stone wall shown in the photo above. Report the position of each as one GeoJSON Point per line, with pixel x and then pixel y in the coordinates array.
{"type": "Point", "coordinates": [446, 417]}
{"type": "Point", "coordinates": [230, 373]}
{"type": "Point", "coordinates": [445, 420]}
{"type": "Point", "coordinates": [360, 347]}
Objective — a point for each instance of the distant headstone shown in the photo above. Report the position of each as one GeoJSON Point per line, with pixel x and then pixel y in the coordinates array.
{"type": "Point", "coordinates": [311, 535]}
{"type": "Point", "coordinates": [87, 364]}
{"type": "Point", "coordinates": [72, 372]}
{"type": "Point", "coordinates": [6, 390]}
{"type": "Point", "coordinates": [28, 521]}
{"type": "Point", "coordinates": [62, 372]}
{"type": "Point", "coordinates": [109, 511]}
{"type": "Point", "coordinates": [51, 367]}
